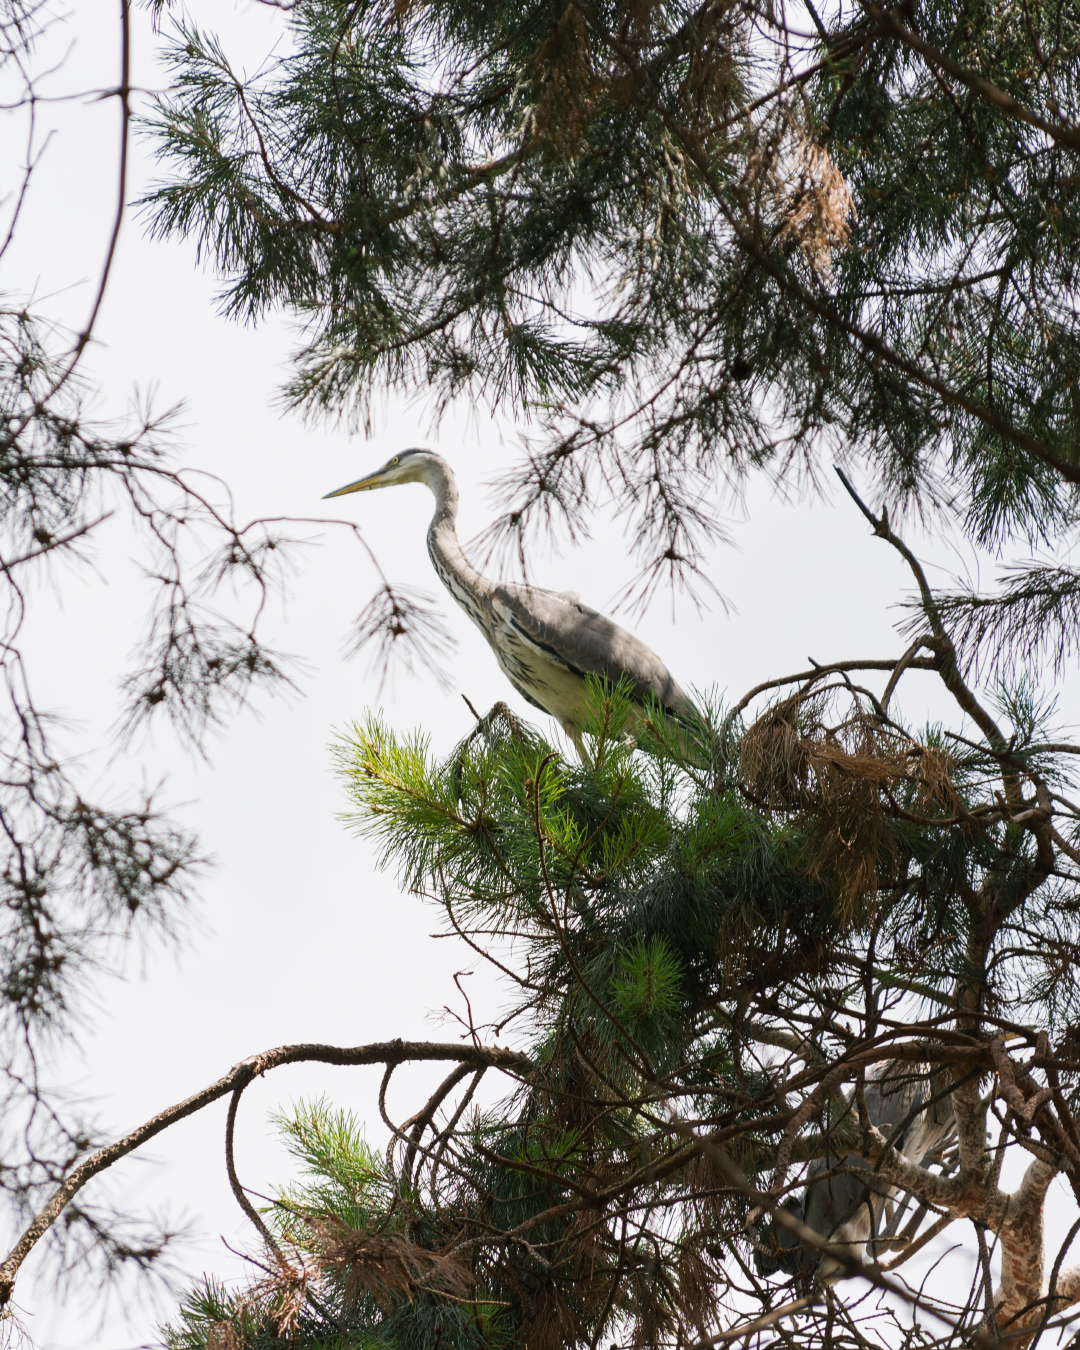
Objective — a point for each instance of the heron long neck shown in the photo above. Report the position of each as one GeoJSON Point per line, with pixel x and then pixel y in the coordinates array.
{"type": "Point", "coordinates": [468, 587]}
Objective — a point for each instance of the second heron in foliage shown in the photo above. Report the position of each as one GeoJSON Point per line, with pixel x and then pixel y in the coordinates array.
{"type": "Point", "coordinates": [546, 642]}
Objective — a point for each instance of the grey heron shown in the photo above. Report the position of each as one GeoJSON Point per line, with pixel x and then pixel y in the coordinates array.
{"type": "Point", "coordinates": [546, 642]}
{"type": "Point", "coordinates": [855, 1205]}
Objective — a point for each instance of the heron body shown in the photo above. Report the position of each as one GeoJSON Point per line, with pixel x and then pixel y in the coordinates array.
{"type": "Point", "coordinates": [546, 642]}
{"type": "Point", "coordinates": [846, 1200]}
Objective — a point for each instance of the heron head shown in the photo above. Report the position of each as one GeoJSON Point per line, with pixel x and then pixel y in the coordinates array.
{"type": "Point", "coordinates": [410, 466]}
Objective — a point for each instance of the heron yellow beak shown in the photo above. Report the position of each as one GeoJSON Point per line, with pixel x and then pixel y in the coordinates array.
{"type": "Point", "coordinates": [373, 480]}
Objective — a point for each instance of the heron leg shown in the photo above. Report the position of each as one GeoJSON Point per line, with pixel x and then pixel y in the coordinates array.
{"type": "Point", "coordinates": [579, 745]}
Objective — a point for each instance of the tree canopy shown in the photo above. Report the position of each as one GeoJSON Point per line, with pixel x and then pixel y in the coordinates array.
{"type": "Point", "coordinates": [689, 240]}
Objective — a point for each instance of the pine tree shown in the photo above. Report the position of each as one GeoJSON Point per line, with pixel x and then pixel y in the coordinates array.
{"type": "Point", "coordinates": [85, 877]}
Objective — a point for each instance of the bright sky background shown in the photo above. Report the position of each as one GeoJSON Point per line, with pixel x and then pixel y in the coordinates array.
{"type": "Point", "coordinates": [298, 937]}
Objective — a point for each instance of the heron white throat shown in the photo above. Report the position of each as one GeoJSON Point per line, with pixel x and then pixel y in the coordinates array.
{"type": "Point", "coordinates": [546, 642]}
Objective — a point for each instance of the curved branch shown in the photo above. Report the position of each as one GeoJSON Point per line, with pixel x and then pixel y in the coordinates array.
{"type": "Point", "coordinates": [123, 92]}
{"type": "Point", "coordinates": [940, 643]}
{"type": "Point", "coordinates": [423, 1119]}
{"type": "Point", "coordinates": [238, 1077]}
{"type": "Point", "coordinates": [905, 662]}
{"type": "Point", "coordinates": [834, 668]}
{"type": "Point", "coordinates": [234, 1181]}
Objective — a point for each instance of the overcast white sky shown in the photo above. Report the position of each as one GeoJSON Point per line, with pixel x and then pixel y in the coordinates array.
{"type": "Point", "coordinates": [298, 937]}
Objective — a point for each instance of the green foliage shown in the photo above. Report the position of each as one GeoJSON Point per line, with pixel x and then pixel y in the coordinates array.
{"type": "Point", "coordinates": [342, 1175]}
{"type": "Point", "coordinates": [649, 981]}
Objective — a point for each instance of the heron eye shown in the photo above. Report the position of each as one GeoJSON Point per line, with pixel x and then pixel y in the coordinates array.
{"type": "Point", "coordinates": [395, 459]}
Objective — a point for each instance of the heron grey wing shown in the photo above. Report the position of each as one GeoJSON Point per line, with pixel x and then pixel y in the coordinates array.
{"type": "Point", "coordinates": [584, 641]}
{"type": "Point", "coordinates": [903, 1103]}
{"type": "Point", "coordinates": [914, 1104]}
